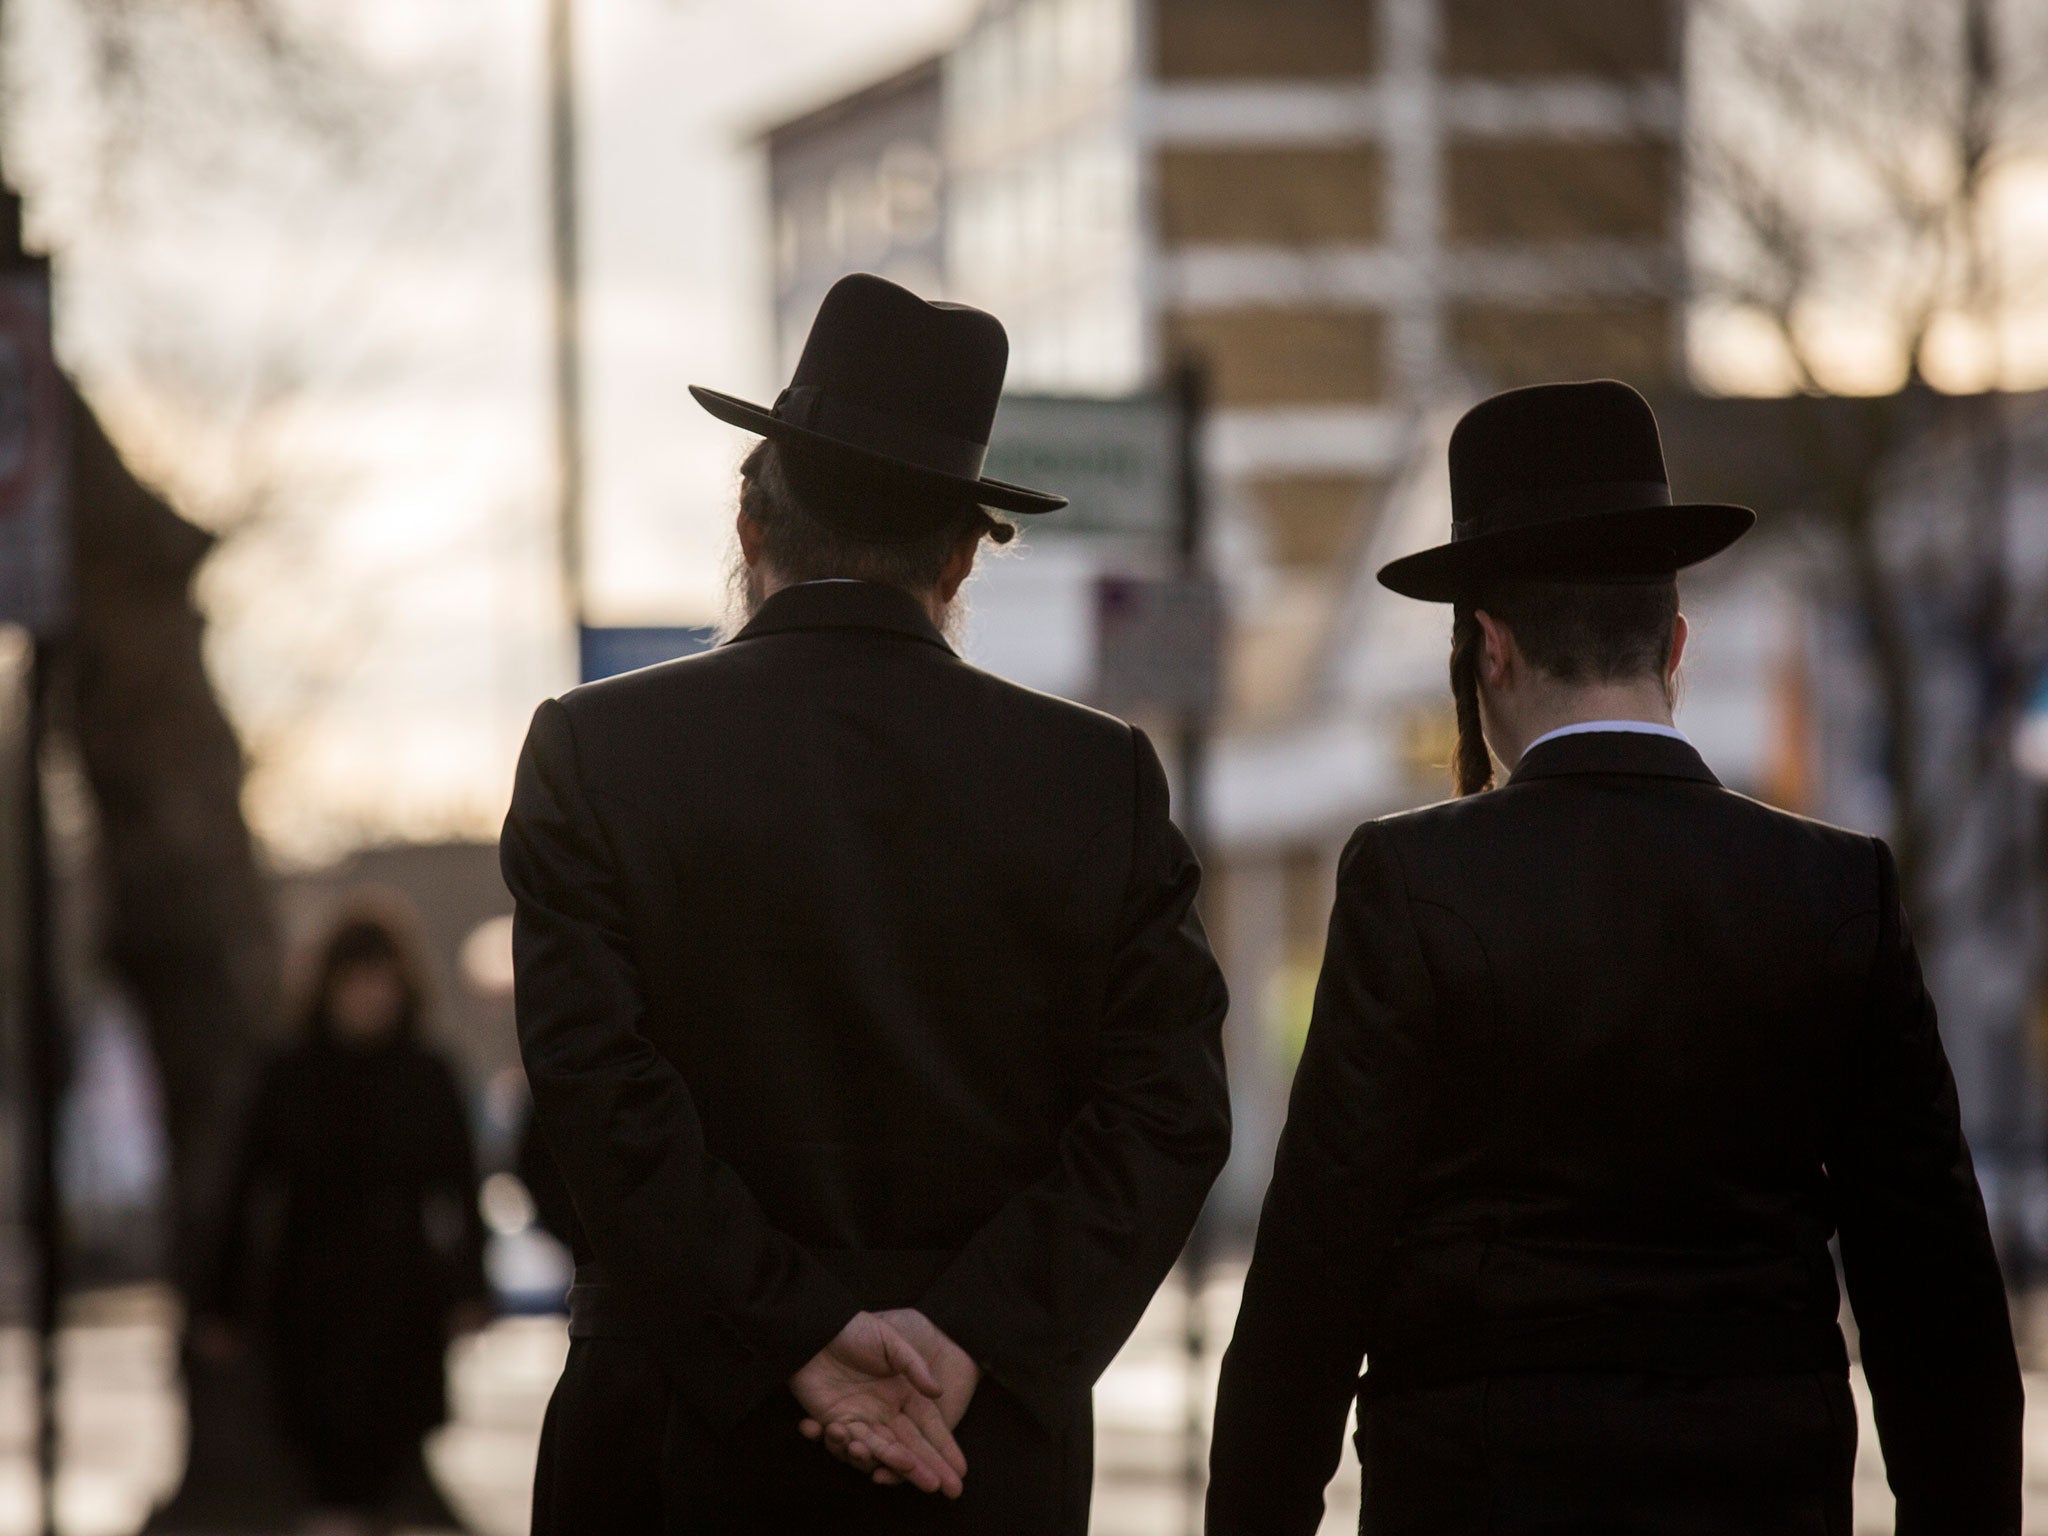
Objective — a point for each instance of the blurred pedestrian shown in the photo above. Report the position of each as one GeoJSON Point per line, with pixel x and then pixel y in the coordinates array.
{"type": "Point", "coordinates": [1600, 1061]}
{"type": "Point", "coordinates": [865, 1006]}
{"type": "Point", "coordinates": [353, 1245]}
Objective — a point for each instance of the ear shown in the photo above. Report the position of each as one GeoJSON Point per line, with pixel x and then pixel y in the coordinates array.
{"type": "Point", "coordinates": [1679, 631]}
{"type": "Point", "coordinates": [959, 565]}
{"type": "Point", "coordinates": [1499, 656]}
{"type": "Point", "coordinates": [750, 540]}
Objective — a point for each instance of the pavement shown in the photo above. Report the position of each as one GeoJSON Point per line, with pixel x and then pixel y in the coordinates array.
{"type": "Point", "coordinates": [123, 1423]}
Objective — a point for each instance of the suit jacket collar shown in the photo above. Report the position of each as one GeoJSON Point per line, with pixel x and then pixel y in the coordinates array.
{"type": "Point", "coordinates": [1614, 752]}
{"type": "Point", "coordinates": [843, 605]}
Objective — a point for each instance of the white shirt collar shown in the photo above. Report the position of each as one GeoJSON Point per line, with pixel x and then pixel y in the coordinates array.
{"type": "Point", "coordinates": [1585, 727]}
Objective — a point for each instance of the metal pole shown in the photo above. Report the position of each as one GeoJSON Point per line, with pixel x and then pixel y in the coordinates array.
{"type": "Point", "coordinates": [1190, 386]}
{"type": "Point", "coordinates": [43, 1049]}
{"type": "Point", "coordinates": [566, 285]}
{"type": "Point", "coordinates": [45, 1073]}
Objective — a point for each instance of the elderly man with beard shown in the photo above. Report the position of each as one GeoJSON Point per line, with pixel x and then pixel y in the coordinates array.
{"type": "Point", "coordinates": [864, 1002]}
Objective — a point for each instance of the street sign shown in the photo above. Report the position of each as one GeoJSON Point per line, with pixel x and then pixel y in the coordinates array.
{"type": "Point", "coordinates": [1158, 644]}
{"type": "Point", "coordinates": [35, 555]}
{"type": "Point", "coordinates": [1116, 460]}
{"type": "Point", "coordinates": [2031, 743]}
{"type": "Point", "coordinates": [608, 651]}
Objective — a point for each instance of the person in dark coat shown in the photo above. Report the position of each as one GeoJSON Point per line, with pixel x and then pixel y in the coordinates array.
{"type": "Point", "coordinates": [864, 1003]}
{"type": "Point", "coordinates": [353, 1245]}
{"type": "Point", "coordinates": [1600, 1061]}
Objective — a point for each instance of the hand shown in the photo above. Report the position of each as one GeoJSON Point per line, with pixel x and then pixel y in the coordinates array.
{"type": "Point", "coordinates": [955, 1369]}
{"type": "Point", "coordinates": [871, 1397]}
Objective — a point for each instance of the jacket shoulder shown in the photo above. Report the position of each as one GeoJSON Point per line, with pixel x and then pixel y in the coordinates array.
{"type": "Point", "coordinates": [1847, 860]}
{"type": "Point", "coordinates": [1050, 709]}
{"type": "Point", "coordinates": [1073, 742]}
{"type": "Point", "coordinates": [628, 692]}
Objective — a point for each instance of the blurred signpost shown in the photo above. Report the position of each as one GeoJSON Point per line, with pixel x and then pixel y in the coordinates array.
{"type": "Point", "coordinates": [1116, 460]}
{"type": "Point", "coordinates": [1158, 640]}
{"type": "Point", "coordinates": [34, 579]}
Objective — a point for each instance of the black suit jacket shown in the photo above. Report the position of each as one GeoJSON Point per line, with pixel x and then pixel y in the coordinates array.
{"type": "Point", "coordinates": [850, 975]}
{"type": "Point", "coordinates": [1599, 1062]}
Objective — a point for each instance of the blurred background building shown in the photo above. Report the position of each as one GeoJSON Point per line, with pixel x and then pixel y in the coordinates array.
{"type": "Point", "coordinates": [1356, 218]}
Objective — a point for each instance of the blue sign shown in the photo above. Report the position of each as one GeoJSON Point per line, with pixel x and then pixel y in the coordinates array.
{"type": "Point", "coordinates": [2031, 741]}
{"type": "Point", "coordinates": [608, 651]}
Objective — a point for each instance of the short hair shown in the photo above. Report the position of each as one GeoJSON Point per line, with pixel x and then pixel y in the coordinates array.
{"type": "Point", "coordinates": [1576, 632]}
{"type": "Point", "coordinates": [1588, 634]}
{"type": "Point", "coordinates": [783, 491]}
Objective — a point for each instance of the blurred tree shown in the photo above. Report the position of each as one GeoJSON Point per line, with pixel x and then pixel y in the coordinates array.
{"type": "Point", "coordinates": [187, 923]}
{"type": "Point", "coordinates": [1856, 176]}
{"type": "Point", "coordinates": [1859, 178]}
{"type": "Point", "coordinates": [171, 99]}
{"type": "Point", "coordinates": [306, 155]}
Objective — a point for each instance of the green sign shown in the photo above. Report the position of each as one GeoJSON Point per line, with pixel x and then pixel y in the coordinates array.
{"type": "Point", "coordinates": [1115, 460]}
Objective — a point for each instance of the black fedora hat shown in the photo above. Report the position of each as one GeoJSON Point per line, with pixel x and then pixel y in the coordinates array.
{"type": "Point", "coordinates": [897, 387]}
{"type": "Point", "coordinates": [1563, 482]}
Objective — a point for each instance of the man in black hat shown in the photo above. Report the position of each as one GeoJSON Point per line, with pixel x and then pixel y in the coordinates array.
{"type": "Point", "coordinates": [864, 1002]}
{"type": "Point", "coordinates": [1600, 1061]}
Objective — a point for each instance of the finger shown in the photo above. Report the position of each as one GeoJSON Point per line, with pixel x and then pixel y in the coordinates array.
{"type": "Point", "coordinates": [887, 1478]}
{"type": "Point", "coordinates": [931, 1423]}
{"type": "Point", "coordinates": [810, 1429]}
{"type": "Point", "coordinates": [932, 1471]}
{"type": "Point", "coordinates": [921, 1466]}
{"type": "Point", "coordinates": [908, 1362]}
{"type": "Point", "coordinates": [859, 1454]}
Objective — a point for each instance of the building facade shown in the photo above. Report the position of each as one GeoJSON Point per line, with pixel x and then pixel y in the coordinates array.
{"type": "Point", "coordinates": [1348, 210]}
{"type": "Point", "coordinates": [857, 184]}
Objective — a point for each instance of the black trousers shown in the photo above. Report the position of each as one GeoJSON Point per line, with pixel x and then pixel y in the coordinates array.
{"type": "Point", "coordinates": [619, 1453]}
{"type": "Point", "coordinates": [1611, 1455]}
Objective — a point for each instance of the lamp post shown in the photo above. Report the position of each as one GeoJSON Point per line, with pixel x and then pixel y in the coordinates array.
{"type": "Point", "coordinates": [1190, 394]}
{"type": "Point", "coordinates": [566, 308]}
{"type": "Point", "coordinates": [34, 572]}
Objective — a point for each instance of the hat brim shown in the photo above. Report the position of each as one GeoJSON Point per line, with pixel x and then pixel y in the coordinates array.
{"type": "Point", "coordinates": [1635, 544]}
{"type": "Point", "coordinates": [1000, 494]}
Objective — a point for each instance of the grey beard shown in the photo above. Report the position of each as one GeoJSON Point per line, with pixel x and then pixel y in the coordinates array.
{"type": "Point", "coordinates": [746, 590]}
{"type": "Point", "coordinates": [743, 595]}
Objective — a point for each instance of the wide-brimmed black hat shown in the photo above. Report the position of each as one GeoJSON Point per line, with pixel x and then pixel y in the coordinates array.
{"type": "Point", "coordinates": [897, 386]}
{"type": "Point", "coordinates": [1563, 482]}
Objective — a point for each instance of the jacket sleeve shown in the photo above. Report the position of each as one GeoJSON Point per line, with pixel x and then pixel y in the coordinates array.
{"type": "Point", "coordinates": [1341, 1177]}
{"type": "Point", "coordinates": [452, 1186]}
{"type": "Point", "coordinates": [734, 1305]}
{"type": "Point", "coordinates": [1050, 1288]}
{"type": "Point", "coordinates": [1916, 1252]}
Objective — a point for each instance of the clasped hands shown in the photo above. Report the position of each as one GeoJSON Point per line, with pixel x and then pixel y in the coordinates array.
{"type": "Point", "coordinates": [884, 1397]}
